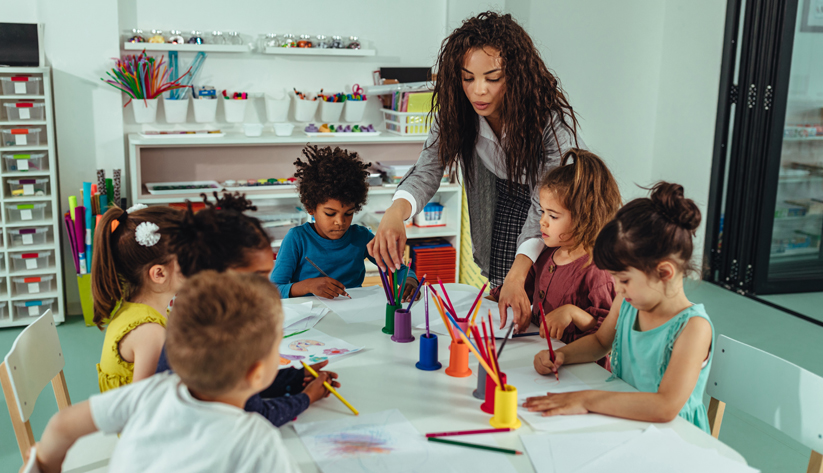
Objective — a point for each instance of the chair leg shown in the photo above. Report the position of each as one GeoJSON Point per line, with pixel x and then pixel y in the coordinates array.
{"type": "Point", "coordinates": [715, 411]}
{"type": "Point", "coordinates": [22, 430]}
{"type": "Point", "coordinates": [815, 463]}
{"type": "Point", "coordinates": [61, 391]}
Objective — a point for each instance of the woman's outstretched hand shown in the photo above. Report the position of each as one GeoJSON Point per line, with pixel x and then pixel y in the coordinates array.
{"type": "Point", "coordinates": [389, 242]}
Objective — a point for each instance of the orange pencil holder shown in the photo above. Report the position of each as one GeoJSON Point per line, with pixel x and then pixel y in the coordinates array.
{"type": "Point", "coordinates": [458, 360]}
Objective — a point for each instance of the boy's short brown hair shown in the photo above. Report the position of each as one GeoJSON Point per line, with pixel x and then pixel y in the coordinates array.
{"type": "Point", "coordinates": [221, 324]}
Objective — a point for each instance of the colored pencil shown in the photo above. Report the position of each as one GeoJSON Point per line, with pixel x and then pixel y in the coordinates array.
{"type": "Point", "coordinates": [472, 445]}
{"type": "Point", "coordinates": [330, 388]}
{"type": "Point", "coordinates": [460, 330]}
{"type": "Point", "coordinates": [443, 316]}
{"type": "Point", "coordinates": [446, 295]}
{"type": "Point", "coordinates": [493, 374]}
{"type": "Point", "coordinates": [476, 310]}
{"type": "Point", "coordinates": [385, 284]}
{"type": "Point", "coordinates": [530, 334]}
{"type": "Point", "coordinates": [324, 274]}
{"type": "Point", "coordinates": [503, 345]}
{"type": "Point", "coordinates": [548, 339]}
{"type": "Point", "coordinates": [480, 347]}
{"type": "Point", "coordinates": [416, 291]}
{"type": "Point", "coordinates": [477, 299]}
{"type": "Point", "coordinates": [468, 432]}
{"type": "Point", "coordinates": [402, 289]}
{"type": "Point", "coordinates": [426, 302]}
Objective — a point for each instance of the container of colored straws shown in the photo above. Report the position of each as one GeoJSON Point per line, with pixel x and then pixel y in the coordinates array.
{"type": "Point", "coordinates": [393, 287]}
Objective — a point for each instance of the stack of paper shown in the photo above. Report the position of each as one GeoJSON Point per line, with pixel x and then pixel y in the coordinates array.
{"type": "Point", "coordinates": [312, 346]}
{"type": "Point", "coordinates": [366, 304]}
{"type": "Point", "coordinates": [630, 451]}
{"type": "Point", "coordinates": [300, 317]}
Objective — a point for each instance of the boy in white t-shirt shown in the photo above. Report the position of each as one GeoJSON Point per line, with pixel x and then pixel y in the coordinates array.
{"type": "Point", "coordinates": [222, 344]}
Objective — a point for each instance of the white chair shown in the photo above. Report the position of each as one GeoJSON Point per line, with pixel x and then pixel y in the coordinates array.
{"type": "Point", "coordinates": [35, 359]}
{"type": "Point", "coordinates": [777, 392]}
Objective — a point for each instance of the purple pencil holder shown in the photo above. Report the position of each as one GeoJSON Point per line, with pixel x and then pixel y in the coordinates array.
{"type": "Point", "coordinates": [402, 327]}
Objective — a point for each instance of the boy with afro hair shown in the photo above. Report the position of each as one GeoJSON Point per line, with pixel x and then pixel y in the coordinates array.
{"type": "Point", "coordinates": [333, 185]}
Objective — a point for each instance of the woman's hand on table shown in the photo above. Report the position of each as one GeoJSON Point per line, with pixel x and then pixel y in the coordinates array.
{"type": "Point", "coordinates": [390, 240]}
{"type": "Point", "coordinates": [562, 404]}
{"type": "Point", "coordinates": [513, 294]}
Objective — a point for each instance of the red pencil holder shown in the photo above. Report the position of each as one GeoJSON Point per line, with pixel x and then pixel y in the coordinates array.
{"type": "Point", "coordinates": [488, 402]}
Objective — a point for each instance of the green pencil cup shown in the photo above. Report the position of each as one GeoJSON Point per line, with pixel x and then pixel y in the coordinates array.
{"type": "Point", "coordinates": [388, 329]}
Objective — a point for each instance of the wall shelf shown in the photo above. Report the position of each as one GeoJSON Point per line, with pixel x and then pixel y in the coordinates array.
{"type": "Point", "coordinates": [194, 48]}
{"type": "Point", "coordinates": [269, 138]}
{"type": "Point", "coordinates": [319, 52]}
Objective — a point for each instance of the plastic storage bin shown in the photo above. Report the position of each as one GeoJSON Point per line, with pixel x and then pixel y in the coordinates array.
{"type": "Point", "coordinates": [431, 216]}
{"type": "Point", "coordinates": [205, 110]}
{"type": "Point", "coordinates": [330, 111]}
{"type": "Point", "coordinates": [29, 261]}
{"type": "Point", "coordinates": [4, 315]}
{"type": "Point", "coordinates": [28, 236]}
{"type": "Point", "coordinates": [24, 136]}
{"type": "Point", "coordinates": [25, 111]}
{"type": "Point", "coordinates": [28, 187]}
{"type": "Point", "coordinates": [304, 110]}
{"type": "Point", "coordinates": [277, 109]}
{"type": "Point", "coordinates": [235, 110]}
{"type": "Point", "coordinates": [354, 110]}
{"type": "Point", "coordinates": [26, 212]}
{"type": "Point", "coordinates": [22, 85]}
{"type": "Point", "coordinates": [176, 110]}
{"type": "Point", "coordinates": [23, 309]}
{"type": "Point", "coordinates": [278, 220]}
{"type": "Point", "coordinates": [33, 284]}
{"type": "Point", "coordinates": [407, 123]}
{"type": "Point", "coordinates": [22, 162]}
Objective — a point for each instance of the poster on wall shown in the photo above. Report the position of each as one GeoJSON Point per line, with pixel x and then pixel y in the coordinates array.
{"type": "Point", "coordinates": [812, 18]}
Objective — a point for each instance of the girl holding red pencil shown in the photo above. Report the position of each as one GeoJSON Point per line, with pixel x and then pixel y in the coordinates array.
{"type": "Point", "coordinates": [333, 185]}
{"type": "Point", "coordinates": [577, 199]}
{"type": "Point", "coordinates": [660, 342]}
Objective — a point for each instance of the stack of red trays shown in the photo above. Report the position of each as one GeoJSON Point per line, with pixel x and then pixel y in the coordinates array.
{"type": "Point", "coordinates": [435, 259]}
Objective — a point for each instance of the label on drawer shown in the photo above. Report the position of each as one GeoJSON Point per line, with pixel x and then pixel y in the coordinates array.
{"type": "Point", "coordinates": [21, 140]}
{"type": "Point", "coordinates": [25, 113]}
{"type": "Point", "coordinates": [28, 189]}
{"type": "Point", "coordinates": [28, 238]}
{"type": "Point", "coordinates": [34, 310]}
{"type": "Point", "coordinates": [19, 87]}
{"type": "Point", "coordinates": [25, 214]}
{"type": "Point", "coordinates": [34, 287]}
{"type": "Point", "coordinates": [22, 164]}
{"type": "Point", "coordinates": [31, 263]}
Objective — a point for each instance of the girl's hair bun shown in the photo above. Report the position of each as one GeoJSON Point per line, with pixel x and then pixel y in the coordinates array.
{"type": "Point", "coordinates": [671, 204]}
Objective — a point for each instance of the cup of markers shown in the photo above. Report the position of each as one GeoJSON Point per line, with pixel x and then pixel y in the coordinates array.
{"type": "Point", "coordinates": [331, 107]}
{"type": "Point", "coordinates": [305, 106]}
{"type": "Point", "coordinates": [235, 106]}
{"type": "Point", "coordinates": [355, 105]}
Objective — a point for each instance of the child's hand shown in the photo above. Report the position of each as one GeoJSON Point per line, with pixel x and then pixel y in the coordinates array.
{"type": "Point", "coordinates": [326, 287]}
{"type": "Point", "coordinates": [317, 367]}
{"type": "Point", "coordinates": [543, 362]}
{"type": "Point", "coordinates": [559, 404]}
{"type": "Point", "coordinates": [316, 391]}
{"type": "Point", "coordinates": [557, 321]}
{"type": "Point", "coordinates": [411, 285]}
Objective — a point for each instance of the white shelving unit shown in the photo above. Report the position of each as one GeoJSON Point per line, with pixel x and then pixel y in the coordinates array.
{"type": "Point", "coordinates": [12, 315]}
{"type": "Point", "coordinates": [207, 48]}
{"type": "Point", "coordinates": [319, 52]}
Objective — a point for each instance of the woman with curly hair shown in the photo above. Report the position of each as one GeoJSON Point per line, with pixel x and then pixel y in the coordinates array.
{"type": "Point", "coordinates": [503, 119]}
{"type": "Point", "coordinates": [333, 185]}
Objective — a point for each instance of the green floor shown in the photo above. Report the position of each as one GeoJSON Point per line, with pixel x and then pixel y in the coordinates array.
{"type": "Point", "coordinates": [809, 304]}
{"type": "Point", "coordinates": [733, 315]}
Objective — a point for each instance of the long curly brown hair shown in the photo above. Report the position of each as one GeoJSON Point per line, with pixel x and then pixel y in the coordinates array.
{"type": "Point", "coordinates": [534, 98]}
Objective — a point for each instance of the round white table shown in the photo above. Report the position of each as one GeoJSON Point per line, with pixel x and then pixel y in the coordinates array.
{"type": "Point", "coordinates": [383, 376]}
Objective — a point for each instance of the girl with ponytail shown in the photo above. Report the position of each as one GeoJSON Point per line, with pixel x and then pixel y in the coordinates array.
{"type": "Point", "coordinates": [577, 199]}
{"type": "Point", "coordinates": [660, 342]}
{"type": "Point", "coordinates": [133, 279]}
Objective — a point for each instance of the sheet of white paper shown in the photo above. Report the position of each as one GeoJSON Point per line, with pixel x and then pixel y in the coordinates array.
{"type": "Point", "coordinates": [566, 453]}
{"type": "Point", "coordinates": [662, 450]}
{"type": "Point", "coordinates": [385, 441]}
{"type": "Point", "coordinates": [313, 346]}
{"type": "Point", "coordinates": [530, 382]}
{"type": "Point", "coordinates": [293, 313]}
{"type": "Point", "coordinates": [366, 304]}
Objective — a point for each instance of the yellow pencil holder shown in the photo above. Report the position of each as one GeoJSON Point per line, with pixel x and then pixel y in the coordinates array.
{"type": "Point", "coordinates": [505, 408]}
{"type": "Point", "coordinates": [86, 301]}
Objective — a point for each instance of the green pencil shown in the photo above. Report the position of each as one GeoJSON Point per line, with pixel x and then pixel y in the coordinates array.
{"type": "Point", "coordinates": [295, 333]}
{"type": "Point", "coordinates": [472, 445]}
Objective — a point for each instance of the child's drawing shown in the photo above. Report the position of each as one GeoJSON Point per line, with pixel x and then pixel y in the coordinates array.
{"type": "Point", "coordinates": [317, 359]}
{"type": "Point", "coordinates": [288, 359]}
{"type": "Point", "coordinates": [314, 346]}
{"type": "Point", "coordinates": [348, 444]}
{"type": "Point", "coordinates": [303, 345]}
{"type": "Point", "coordinates": [335, 351]}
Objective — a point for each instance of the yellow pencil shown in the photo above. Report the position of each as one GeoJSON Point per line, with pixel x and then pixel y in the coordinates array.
{"type": "Point", "coordinates": [330, 388]}
{"type": "Point", "coordinates": [480, 359]}
{"type": "Point", "coordinates": [476, 310]}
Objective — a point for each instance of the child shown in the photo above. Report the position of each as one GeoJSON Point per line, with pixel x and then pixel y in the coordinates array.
{"type": "Point", "coordinates": [660, 342]}
{"type": "Point", "coordinates": [333, 186]}
{"type": "Point", "coordinates": [192, 419]}
{"type": "Point", "coordinates": [134, 274]}
{"type": "Point", "coordinates": [222, 237]}
{"type": "Point", "coordinates": [577, 199]}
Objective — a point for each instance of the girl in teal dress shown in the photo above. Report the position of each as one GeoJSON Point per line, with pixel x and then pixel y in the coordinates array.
{"type": "Point", "coordinates": [660, 342]}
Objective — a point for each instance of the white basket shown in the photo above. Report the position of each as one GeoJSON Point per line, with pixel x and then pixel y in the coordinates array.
{"type": "Point", "coordinates": [29, 261]}
{"type": "Point", "coordinates": [304, 110]}
{"type": "Point", "coordinates": [28, 187]}
{"type": "Point", "coordinates": [353, 113]}
{"type": "Point", "coordinates": [176, 110]}
{"type": "Point", "coordinates": [145, 111]}
{"type": "Point", "coordinates": [277, 110]}
{"type": "Point", "coordinates": [205, 110]}
{"type": "Point", "coordinates": [32, 284]}
{"type": "Point", "coordinates": [21, 237]}
{"type": "Point", "coordinates": [26, 212]}
{"type": "Point", "coordinates": [407, 123]}
{"type": "Point", "coordinates": [330, 111]}
{"type": "Point", "coordinates": [235, 110]}
{"type": "Point", "coordinates": [283, 129]}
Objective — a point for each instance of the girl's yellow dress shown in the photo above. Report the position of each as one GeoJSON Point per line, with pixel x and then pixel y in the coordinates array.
{"type": "Point", "coordinates": [113, 371]}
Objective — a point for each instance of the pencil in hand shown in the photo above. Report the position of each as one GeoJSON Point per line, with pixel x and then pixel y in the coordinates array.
{"type": "Point", "coordinates": [549, 339]}
{"type": "Point", "coordinates": [324, 274]}
{"type": "Point", "coordinates": [330, 388]}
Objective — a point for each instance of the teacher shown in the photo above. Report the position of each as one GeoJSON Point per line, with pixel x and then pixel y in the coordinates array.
{"type": "Point", "coordinates": [503, 119]}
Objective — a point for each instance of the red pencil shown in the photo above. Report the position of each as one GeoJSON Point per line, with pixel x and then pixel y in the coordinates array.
{"type": "Point", "coordinates": [468, 432]}
{"type": "Point", "coordinates": [548, 339]}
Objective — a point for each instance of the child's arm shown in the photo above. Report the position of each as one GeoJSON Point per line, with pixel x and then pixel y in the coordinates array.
{"type": "Point", "coordinates": [62, 431]}
{"type": "Point", "coordinates": [588, 319]}
{"type": "Point", "coordinates": [143, 345]}
{"type": "Point", "coordinates": [289, 260]}
{"type": "Point", "coordinates": [690, 351]}
{"type": "Point", "coordinates": [583, 350]}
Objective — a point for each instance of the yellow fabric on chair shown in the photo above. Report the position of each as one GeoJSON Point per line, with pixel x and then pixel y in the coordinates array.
{"type": "Point", "coordinates": [469, 272]}
{"type": "Point", "coordinates": [113, 371]}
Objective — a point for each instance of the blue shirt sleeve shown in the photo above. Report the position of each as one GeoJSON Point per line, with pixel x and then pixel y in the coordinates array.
{"type": "Point", "coordinates": [287, 260]}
